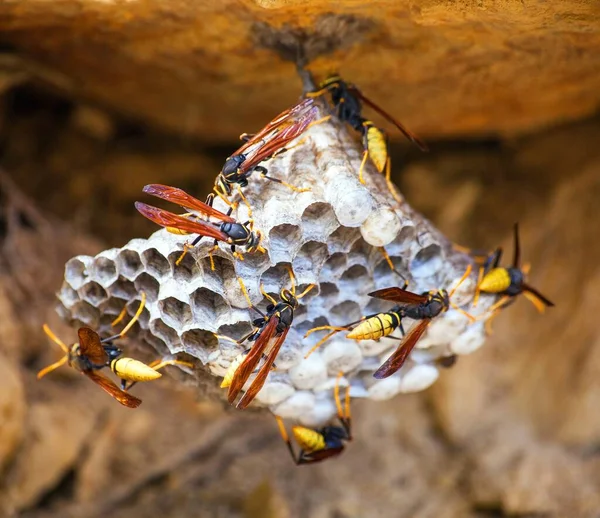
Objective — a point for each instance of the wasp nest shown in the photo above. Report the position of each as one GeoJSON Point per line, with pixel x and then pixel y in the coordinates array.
{"type": "Point", "coordinates": [331, 235]}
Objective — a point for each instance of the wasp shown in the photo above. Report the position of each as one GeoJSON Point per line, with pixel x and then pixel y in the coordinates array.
{"type": "Point", "coordinates": [268, 334]}
{"type": "Point", "coordinates": [507, 282]}
{"type": "Point", "coordinates": [347, 100]}
{"type": "Point", "coordinates": [264, 145]}
{"type": "Point", "coordinates": [91, 354]}
{"type": "Point", "coordinates": [423, 307]}
{"type": "Point", "coordinates": [327, 442]}
{"type": "Point", "coordinates": [228, 230]}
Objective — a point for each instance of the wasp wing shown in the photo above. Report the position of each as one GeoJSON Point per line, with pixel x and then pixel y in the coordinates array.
{"type": "Point", "coordinates": [252, 359]}
{"type": "Point", "coordinates": [183, 199]}
{"type": "Point", "coordinates": [168, 219]}
{"type": "Point", "coordinates": [108, 386]}
{"type": "Point", "coordinates": [280, 140]}
{"type": "Point", "coordinates": [320, 455]}
{"type": "Point", "coordinates": [408, 134]}
{"type": "Point", "coordinates": [261, 377]}
{"type": "Point", "coordinates": [396, 294]}
{"type": "Point", "coordinates": [90, 346]}
{"type": "Point", "coordinates": [284, 118]}
{"type": "Point", "coordinates": [396, 360]}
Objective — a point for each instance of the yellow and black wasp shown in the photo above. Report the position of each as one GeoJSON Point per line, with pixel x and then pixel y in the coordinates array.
{"type": "Point", "coordinates": [268, 334]}
{"type": "Point", "coordinates": [508, 282]}
{"type": "Point", "coordinates": [347, 99]}
{"type": "Point", "coordinates": [91, 354]}
{"type": "Point", "coordinates": [324, 443]}
{"type": "Point", "coordinates": [423, 307]}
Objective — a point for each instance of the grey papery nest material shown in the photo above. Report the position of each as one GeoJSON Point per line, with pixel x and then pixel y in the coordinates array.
{"type": "Point", "coordinates": [331, 236]}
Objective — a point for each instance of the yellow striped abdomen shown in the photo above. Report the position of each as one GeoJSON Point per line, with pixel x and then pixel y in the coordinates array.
{"type": "Point", "coordinates": [133, 370]}
{"type": "Point", "coordinates": [496, 280]}
{"type": "Point", "coordinates": [375, 327]}
{"type": "Point", "coordinates": [174, 230]}
{"type": "Point", "coordinates": [309, 440]}
{"type": "Point", "coordinates": [233, 366]}
{"type": "Point", "coordinates": [377, 147]}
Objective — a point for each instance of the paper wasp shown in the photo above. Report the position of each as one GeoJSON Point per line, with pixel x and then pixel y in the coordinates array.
{"type": "Point", "coordinates": [327, 442]}
{"type": "Point", "coordinates": [507, 282]}
{"type": "Point", "coordinates": [229, 230]}
{"type": "Point", "coordinates": [423, 307]}
{"type": "Point", "coordinates": [92, 354]}
{"type": "Point", "coordinates": [266, 144]}
{"type": "Point", "coordinates": [268, 334]}
{"type": "Point", "coordinates": [347, 100]}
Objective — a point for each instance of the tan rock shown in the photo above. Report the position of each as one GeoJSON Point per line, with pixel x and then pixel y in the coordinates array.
{"type": "Point", "coordinates": [204, 68]}
{"type": "Point", "coordinates": [12, 410]}
{"type": "Point", "coordinates": [55, 435]}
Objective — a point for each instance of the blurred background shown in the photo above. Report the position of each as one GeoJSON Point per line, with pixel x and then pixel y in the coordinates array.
{"type": "Point", "coordinates": [98, 98]}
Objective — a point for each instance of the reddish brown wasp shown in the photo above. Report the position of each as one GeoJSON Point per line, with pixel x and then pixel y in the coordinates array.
{"type": "Point", "coordinates": [266, 144]}
{"type": "Point", "coordinates": [228, 230]}
{"type": "Point", "coordinates": [269, 334]}
{"type": "Point", "coordinates": [423, 307]}
{"type": "Point", "coordinates": [92, 354]}
{"type": "Point", "coordinates": [322, 444]}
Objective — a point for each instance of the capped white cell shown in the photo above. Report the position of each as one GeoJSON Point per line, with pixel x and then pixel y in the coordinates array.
{"type": "Point", "coordinates": [309, 373]}
{"type": "Point", "coordinates": [341, 356]}
{"type": "Point", "coordinates": [417, 378]}
{"type": "Point", "coordinates": [381, 227]}
{"type": "Point", "coordinates": [469, 341]}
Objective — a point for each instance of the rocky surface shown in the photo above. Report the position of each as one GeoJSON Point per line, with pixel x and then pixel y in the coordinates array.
{"type": "Point", "coordinates": [212, 69]}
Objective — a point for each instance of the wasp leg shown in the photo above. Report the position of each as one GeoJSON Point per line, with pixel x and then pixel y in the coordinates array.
{"type": "Point", "coordinates": [267, 296]}
{"type": "Point", "coordinates": [388, 259]}
{"type": "Point", "coordinates": [286, 439]}
{"type": "Point", "coordinates": [362, 166]}
{"type": "Point", "coordinates": [210, 255]}
{"type": "Point", "coordinates": [390, 184]}
{"type": "Point", "coordinates": [245, 200]}
{"type": "Point", "coordinates": [334, 331]}
{"type": "Point", "coordinates": [494, 311]}
{"type": "Point", "coordinates": [343, 414]}
{"type": "Point", "coordinates": [133, 320]}
{"type": "Point", "coordinates": [247, 297]}
{"type": "Point", "coordinates": [263, 172]}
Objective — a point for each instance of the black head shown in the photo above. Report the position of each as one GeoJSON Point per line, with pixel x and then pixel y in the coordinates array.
{"type": "Point", "coordinates": [232, 164]}
{"type": "Point", "coordinates": [289, 298]}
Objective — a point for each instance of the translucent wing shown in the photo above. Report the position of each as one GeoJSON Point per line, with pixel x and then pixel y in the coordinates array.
{"type": "Point", "coordinates": [396, 360]}
{"type": "Point", "coordinates": [396, 294]}
{"type": "Point", "coordinates": [90, 346]}
{"type": "Point", "coordinates": [252, 359]}
{"type": "Point", "coordinates": [279, 141]}
{"type": "Point", "coordinates": [108, 386]}
{"type": "Point", "coordinates": [183, 199]}
{"type": "Point", "coordinates": [408, 134]}
{"type": "Point", "coordinates": [261, 377]}
{"type": "Point", "coordinates": [168, 219]}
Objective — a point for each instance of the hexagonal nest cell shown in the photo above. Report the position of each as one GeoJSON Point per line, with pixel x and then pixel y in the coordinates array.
{"type": "Point", "coordinates": [325, 235]}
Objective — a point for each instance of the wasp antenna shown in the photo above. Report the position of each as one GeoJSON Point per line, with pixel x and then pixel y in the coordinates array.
{"type": "Point", "coordinates": [55, 338]}
{"type": "Point", "coordinates": [245, 292]}
{"type": "Point", "coordinates": [292, 279]}
{"type": "Point", "coordinates": [52, 367]}
{"type": "Point", "coordinates": [517, 250]}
